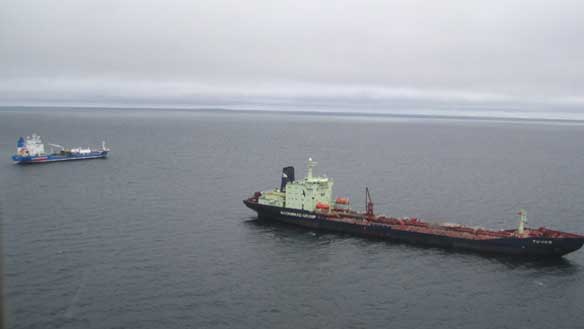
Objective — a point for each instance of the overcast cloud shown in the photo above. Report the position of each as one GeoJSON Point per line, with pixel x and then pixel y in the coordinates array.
{"type": "Point", "coordinates": [525, 55]}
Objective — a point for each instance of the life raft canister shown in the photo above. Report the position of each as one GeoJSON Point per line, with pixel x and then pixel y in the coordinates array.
{"type": "Point", "coordinates": [321, 205]}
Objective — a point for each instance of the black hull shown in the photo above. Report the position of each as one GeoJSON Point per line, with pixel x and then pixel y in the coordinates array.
{"type": "Point", "coordinates": [524, 247]}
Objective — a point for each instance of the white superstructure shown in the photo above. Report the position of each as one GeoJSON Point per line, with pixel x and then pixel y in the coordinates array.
{"type": "Point", "coordinates": [33, 145]}
{"type": "Point", "coordinates": [304, 194]}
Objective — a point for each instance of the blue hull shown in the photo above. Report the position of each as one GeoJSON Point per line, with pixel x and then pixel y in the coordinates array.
{"type": "Point", "coordinates": [523, 247]}
{"type": "Point", "coordinates": [58, 157]}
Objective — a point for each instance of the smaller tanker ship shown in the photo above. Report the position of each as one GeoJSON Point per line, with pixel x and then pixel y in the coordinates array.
{"type": "Point", "coordinates": [309, 203]}
{"type": "Point", "coordinates": [32, 150]}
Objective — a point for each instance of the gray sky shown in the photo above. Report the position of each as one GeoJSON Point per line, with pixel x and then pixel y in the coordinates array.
{"type": "Point", "coordinates": [525, 55]}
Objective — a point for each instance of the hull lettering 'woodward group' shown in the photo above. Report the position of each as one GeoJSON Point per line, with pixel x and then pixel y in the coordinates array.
{"type": "Point", "coordinates": [309, 203]}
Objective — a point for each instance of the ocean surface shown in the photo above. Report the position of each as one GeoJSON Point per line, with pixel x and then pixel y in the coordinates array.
{"type": "Point", "coordinates": [156, 236]}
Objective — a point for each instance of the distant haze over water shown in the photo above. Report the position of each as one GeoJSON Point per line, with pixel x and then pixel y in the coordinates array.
{"type": "Point", "coordinates": [330, 107]}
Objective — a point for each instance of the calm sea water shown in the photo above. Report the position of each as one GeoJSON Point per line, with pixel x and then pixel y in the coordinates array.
{"type": "Point", "coordinates": [156, 236]}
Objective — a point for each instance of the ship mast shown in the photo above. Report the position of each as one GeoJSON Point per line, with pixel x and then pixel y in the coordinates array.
{"type": "Point", "coordinates": [311, 164]}
{"type": "Point", "coordinates": [522, 221]}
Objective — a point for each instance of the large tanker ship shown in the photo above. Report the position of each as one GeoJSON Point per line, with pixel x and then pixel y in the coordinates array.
{"type": "Point", "coordinates": [32, 150]}
{"type": "Point", "coordinates": [309, 202]}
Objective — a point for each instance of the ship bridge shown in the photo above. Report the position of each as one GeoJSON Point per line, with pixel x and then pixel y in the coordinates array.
{"type": "Point", "coordinates": [304, 194]}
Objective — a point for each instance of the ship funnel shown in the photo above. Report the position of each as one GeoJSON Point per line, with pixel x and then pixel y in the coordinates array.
{"type": "Point", "coordinates": [287, 177]}
{"type": "Point", "coordinates": [20, 143]}
{"type": "Point", "coordinates": [21, 146]}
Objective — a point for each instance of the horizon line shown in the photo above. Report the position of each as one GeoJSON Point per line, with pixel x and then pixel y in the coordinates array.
{"type": "Point", "coordinates": [316, 112]}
